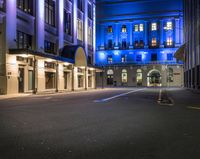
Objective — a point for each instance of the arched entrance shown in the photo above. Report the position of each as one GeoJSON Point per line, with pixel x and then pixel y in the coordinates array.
{"type": "Point", "coordinates": [154, 78]}
{"type": "Point", "coordinates": [110, 75]}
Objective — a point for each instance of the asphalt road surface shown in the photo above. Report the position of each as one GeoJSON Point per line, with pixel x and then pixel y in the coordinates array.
{"type": "Point", "coordinates": [121, 123]}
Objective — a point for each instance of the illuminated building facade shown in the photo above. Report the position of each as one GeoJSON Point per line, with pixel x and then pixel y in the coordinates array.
{"type": "Point", "coordinates": [46, 45]}
{"type": "Point", "coordinates": [192, 43]}
{"type": "Point", "coordinates": [137, 40]}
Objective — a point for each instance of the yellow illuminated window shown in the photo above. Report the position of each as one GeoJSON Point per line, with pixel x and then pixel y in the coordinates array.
{"type": "Point", "coordinates": [153, 42]}
{"type": "Point", "coordinates": [136, 28]}
{"type": "Point", "coordinates": [153, 26]}
{"type": "Point", "coordinates": [124, 29]}
{"type": "Point", "coordinates": [169, 41]}
{"type": "Point", "coordinates": [110, 30]}
{"type": "Point", "coordinates": [169, 26]}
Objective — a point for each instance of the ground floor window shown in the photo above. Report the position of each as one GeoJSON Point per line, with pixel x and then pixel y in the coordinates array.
{"type": "Point", "coordinates": [124, 76]}
{"type": "Point", "coordinates": [50, 80]}
{"type": "Point", "coordinates": [66, 78]}
{"type": "Point", "coordinates": [170, 75]}
{"type": "Point", "coordinates": [90, 81]}
{"type": "Point", "coordinates": [139, 77]}
{"type": "Point", "coordinates": [110, 74]}
{"type": "Point", "coordinates": [80, 81]}
{"type": "Point", "coordinates": [30, 80]}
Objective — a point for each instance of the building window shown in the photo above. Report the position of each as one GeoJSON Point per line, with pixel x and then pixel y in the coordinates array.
{"type": "Point", "coordinates": [124, 44]}
{"type": "Point", "coordinates": [109, 59]}
{"type": "Point", "coordinates": [168, 26]}
{"type": "Point", "coordinates": [80, 81]}
{"type": "Point", "coordinates": [90, 11]}
{"type": "Point", "coordinates": [141, 27]}
{"type": "Point", "coordinates": [141, 44]}
{"type": "Point", "coordinates": [50, 80]}
{"type": "Point", "coordinates": [49, 47]}
{"type": "Point", "coordinates": [124, 30]}
{"type": "Point", "coordinates": [154, 57]}
{"type": "Point", "coordinates": [169, 41]}
{"type": "Point", "coordinates": [24, 41]}
{"type": "Point", "coordinates": [90, 36]}
{"type": "Point", "coordinates": [123, 58]}
{"type": "Point", "coordinates": [169, 57]}
{"type": "Point", "coordinates": [25, 5]}
{"type": "Point", "coordinates": [80, 5]}
{"type": "Point", "coordinates": [67, 23]}
{"type": "Point", "coordinates": [50, 12]}
{"type": "Point", "coordinates": [153, 26]}
{"type": "Point", "coordinates": [136, 28]}
{"type": "Point", "coordinates": [80, 30]}
{"type": "Point", "coordinates": [139, 77]}
{"type": "Point", "coordinates": [110, 30]}
{"type": "Point", "coordinates": [110, 44]}
{"type": "Point", "coordinates": [110, 74]}
{"type": "Point", "coordinates": [153, 42]}
{"type": "Point", "coordinates": [124, 76]}
{"type": "Point", "coordinates": [138, 58]}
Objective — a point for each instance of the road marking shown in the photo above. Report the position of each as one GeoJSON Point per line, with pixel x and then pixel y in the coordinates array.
{"type": "Point", "coordinates": [196, 108]}
{"type": "Point", "coordinates": [117, 96]}
{"type": "Point", "coordinates": [162, 101]}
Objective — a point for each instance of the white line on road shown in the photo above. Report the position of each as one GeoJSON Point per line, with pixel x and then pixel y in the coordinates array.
{"type": "Point", "coordinates": [117, 96]}
{"type": "Point", "coordinates": [196, 108]}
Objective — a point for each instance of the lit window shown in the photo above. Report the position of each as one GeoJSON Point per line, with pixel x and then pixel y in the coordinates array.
{"type": "Point", "coordinates": [153, 42]}
{"type": "Point", "coordinates": [80, 30]}
{"type": "Point", "coordinates": [153, 26]}
{"type": "Point", "coordinates": [124, 76]}
{"type": "Point", "coordinates": [169, 41]}
{"type": "Point", "coordinates": [141, 27]}
{"type": "Point", "coordinates": [110, 60]}
{"type": "Point", "coordinates": [110, 29]}
{"type": "Point", "coordinates": [124, 29]}
{"type": "Point", "coordinates": [136, 28]}
{"type": "Point", "coordinates": [169, 26]}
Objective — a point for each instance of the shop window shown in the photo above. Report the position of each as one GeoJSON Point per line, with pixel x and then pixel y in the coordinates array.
{"type": "Point", "coordinates": [170, 75]}
{"type": "Point", "coordinates": [124, 76]}
{"type": "Point", "coordinates": [50, 80]}
{"type": "Point", "coordinates": [80, 81]}
{"type": "Point", "coordinates": [139, 77]}
{"type": "Point", "coordinates": [30, 80]}
{"type": "Point", "coordinates": [110, 74]}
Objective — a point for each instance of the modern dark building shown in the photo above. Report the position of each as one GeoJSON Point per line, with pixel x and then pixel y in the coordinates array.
{"type": "Point", "coordinates": [46, 45]}
{"type": "Point", "coordinates": [136, 42]}
{"type": "Point", "coordinates": [192, 43]}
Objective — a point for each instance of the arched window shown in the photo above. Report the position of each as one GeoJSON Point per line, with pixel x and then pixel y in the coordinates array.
{"type": "Point", "coordinates": [110, 72]}
{"type": "Point", "coordinates": [139, 77]}
{"type": "Point", "coordinates": [124, 76]}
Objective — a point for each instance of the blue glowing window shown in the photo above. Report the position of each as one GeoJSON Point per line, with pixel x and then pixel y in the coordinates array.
{"type": "Point", "coordinates": [139, 58]}
{"type": "Point", "coordinates": [169, 57]}
{"type": "Point", "coordinates": [154, 57]}
{"type": "Point", "coordinates": [109, 59]}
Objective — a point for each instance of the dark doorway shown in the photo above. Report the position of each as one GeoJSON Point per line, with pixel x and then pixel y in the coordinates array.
{"type": "Point", "coordinates": [109, 79]}
{"type": "Point", "coordinates": [21, 80]}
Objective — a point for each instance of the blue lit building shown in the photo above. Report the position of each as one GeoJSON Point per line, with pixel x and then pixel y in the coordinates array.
{"type": "Point", "coordinates": [136, 42]}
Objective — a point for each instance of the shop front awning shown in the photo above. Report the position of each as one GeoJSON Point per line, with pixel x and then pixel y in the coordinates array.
{"type": "Point", "coordinates": [76, 53]}
{"type": "Point", "coordinates": [27, 52]}
{"type": "Point", "coordinates": [179, 54]}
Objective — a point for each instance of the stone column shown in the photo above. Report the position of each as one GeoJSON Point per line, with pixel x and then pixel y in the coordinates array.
{"type": "Point", "coordinates": [116, 32]}
{"type": "Point", "coordinates": [131, 35]}
{"type": "Point", "coordinates": [86, 26]}
{"type": "Point", "coordinates": [61, 23]}
{"type": "Point", "coordinates": [146, 34]}
{"type": "Point", "coordinates": [75, 21]}
{"type": "Point", "coordinates": [161, 34]}
{"type": "Point", "coordinates": [177, 32]}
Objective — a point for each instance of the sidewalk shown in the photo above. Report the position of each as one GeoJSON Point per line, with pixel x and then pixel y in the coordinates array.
{"type": "Point", "coordinates": [14, 96]}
